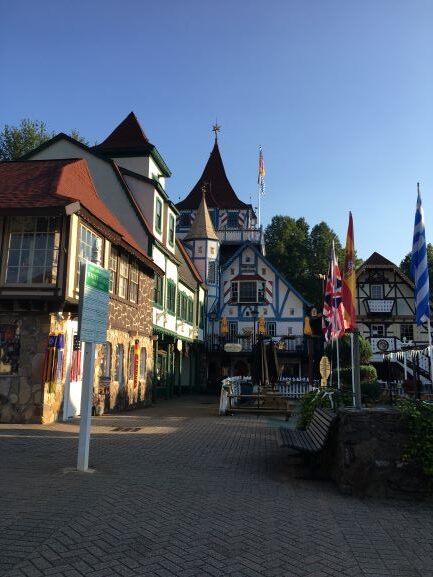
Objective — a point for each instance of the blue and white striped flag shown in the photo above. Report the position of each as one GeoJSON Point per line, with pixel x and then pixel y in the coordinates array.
{"type": "Point", "coordinates": [418, 266]}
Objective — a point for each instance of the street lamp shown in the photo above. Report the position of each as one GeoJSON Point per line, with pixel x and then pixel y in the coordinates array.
{"type": "Point", "coordinates": [212, 316]}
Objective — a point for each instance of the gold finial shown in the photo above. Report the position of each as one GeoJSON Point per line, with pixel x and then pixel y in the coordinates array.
{"type": "Point", "coordinates": [216, 128]}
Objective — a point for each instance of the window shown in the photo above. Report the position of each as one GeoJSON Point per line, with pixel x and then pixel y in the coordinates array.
{"type": "Point", "coordinates": [171, 297]}
{"type": "Point", "coordinates": [271, 329]}
{"type": "Point", "coordinates": [158, 291]}
{"type": "Point", "coordinates": [406, 332]}
{"type": "Point", "coordinates": [33, 250]}
{"type": "Point", "coordinates": [118, 374]}
{"type": "Point", "coordinates": [261, 292]}
{"type": "Point", "coordinates": [143, 363]}
{"type": "Point", "coordinates": [133, 283]}
{"type": "Point", "coordinates": [234, 292]}
{"type": "Point", "coordinates": [201, 315]}
{"type": "Point", "coordinates": [88, 248]}
{"type": "Point", "coordinates": [247, 292]}
{"type": "Point", "coordinates": [377, 330]}
{"type": "Point", "coordinates": [171, 230]}
{"type": "Point", "coordinates": [233, 331]}
{"type": "Point", "coordinates": [189, 314]}
{"type": "Point", "coordinates": [106, 360]}
{"type": "Point", "coordinates": [123, 277]}
{"type": "Point", "coordinates": [112, 265]}
{"type": "Point", "coordinates": [185, 219]}
{"type": "Point", "coordinates": [131, 359]}
{"type": "Point", "coordinates": [376, 291]}
{"type": "Point", "coordinates": [211, 272]}
{"type": "Point", "coordinates": [9, 349]}
{"type": "Point", "coordinates": [292, 312]}
{"type": "Point", "coordinates": [232, 220]}
{"type": "Point", "coordinates": [158, 215]}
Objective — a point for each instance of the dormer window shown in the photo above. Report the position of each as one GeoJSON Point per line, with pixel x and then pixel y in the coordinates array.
{"type": "Point", "coordinates": [158, 216]}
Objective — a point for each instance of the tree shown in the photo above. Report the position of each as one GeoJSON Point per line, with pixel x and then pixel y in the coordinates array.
{"type": "Point", "coordinates": [16, 141]}
{"type": "Point", "coordinates": [287, 248]}
{"type": "Point", "coordinates": [405, 266]}
{"type": "Point", "coordinates": [321, 238]}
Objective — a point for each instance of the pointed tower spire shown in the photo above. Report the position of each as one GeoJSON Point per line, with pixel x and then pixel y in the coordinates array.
{"type": "Point", "coordinates": [202, 227]}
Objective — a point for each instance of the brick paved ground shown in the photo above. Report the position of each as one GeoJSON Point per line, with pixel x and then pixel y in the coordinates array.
{"type": "Point", "coordinates": [191, 494]}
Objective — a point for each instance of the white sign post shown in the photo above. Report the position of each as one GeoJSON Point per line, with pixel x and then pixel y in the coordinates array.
{"type": "Point", "coordinates": [92, 326]}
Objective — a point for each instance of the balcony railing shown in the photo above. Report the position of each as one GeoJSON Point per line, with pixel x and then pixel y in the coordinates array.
{"type": "Point", "coordinates": [379, 306]}
{"type": "Point", "coordinates": [244, 343]}
{"type": "Point", "coordinates": [236, 235]}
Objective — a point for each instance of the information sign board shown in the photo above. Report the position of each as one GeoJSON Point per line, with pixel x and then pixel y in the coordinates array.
{"type": "Point", "coordinates": [93, 304]}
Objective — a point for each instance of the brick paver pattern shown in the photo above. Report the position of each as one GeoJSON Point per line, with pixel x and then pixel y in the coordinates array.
{"type": "Point", "coordinates": [191, 494]}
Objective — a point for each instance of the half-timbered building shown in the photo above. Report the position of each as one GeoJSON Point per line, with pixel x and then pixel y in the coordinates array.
{"type": "Point", "coordinates": [386, 314]}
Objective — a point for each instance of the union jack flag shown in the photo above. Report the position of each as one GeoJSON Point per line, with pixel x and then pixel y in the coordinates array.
{"type": "Point", "coordinates": [333, 310]}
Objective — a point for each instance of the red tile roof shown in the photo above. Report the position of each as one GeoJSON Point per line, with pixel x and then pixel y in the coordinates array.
{"type": "Point", "coordinates": [57, 183]}
{"type": "Point", "coordinates": [128, 135]}
{"type": "Point", "coordinates": [219, 191]}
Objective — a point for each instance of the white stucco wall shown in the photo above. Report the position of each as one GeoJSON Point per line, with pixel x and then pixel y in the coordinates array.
{"type": "Point", "coordinates": [106, 182]}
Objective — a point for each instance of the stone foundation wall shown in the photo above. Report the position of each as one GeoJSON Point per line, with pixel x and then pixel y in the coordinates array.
{"type": "Point", "coordinates": [365, 455]}
{"type": "Point", "coordinates": [21, 395]}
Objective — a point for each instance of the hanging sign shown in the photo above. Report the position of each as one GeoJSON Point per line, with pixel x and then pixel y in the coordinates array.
{"type": "Point", "coordinates": [232, 347]}
{"type": "Point", "coordinates": [93, 303]}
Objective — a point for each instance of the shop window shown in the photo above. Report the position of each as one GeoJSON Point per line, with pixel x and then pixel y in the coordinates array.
{"type": "Point", "coordinates": [106, 361]}
{"type": "Point", "coordinates": [9, 349]}
{"type": "Point", "coordinates": [119, 377]}
{"type": "Point", "coordinates": [131, 358]}
{"type": "Point", "coordinates": [143, 363]}
{"type": "Point", "coordinates": [33, 250]}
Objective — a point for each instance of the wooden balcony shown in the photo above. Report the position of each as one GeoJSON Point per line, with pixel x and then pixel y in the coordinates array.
{"type": "Point", "coordinates": [239, 235]}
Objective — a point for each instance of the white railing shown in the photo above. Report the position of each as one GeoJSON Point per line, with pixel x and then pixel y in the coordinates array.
{"type": "Point", "coordinates": [295, 388]}
{"type": "Point", "coordinates": [254, 235]}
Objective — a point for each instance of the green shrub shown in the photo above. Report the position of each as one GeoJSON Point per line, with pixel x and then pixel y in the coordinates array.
{"type": "Point", "coordinates": [368, 374]}
{"type": "Point", "coordinates": [371, 391]}
{"type": "Point", "coordinates": [365, 351]}
{"type": "Point", "coordinates": [314, 399]}
{"type": "Point", "coordinates": [418, 419]}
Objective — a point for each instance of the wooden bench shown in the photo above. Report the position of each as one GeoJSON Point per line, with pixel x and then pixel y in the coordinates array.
{"type": "Point", "coordinates": [313, 439]}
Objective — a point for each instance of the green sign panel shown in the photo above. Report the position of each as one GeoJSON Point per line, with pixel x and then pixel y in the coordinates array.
{"type": "Point", "coordinates": [93, 304]}
{"type": "Point", "coordinates": [97, 278]}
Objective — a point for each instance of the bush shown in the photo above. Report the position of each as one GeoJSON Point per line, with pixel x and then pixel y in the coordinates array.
{"type": "Point", "coordinates": [368, 374]}
{"type": "Point", "coordinates": [371, 391]}
{"type": "Point", "coordinates": [315, 399]}
{"type": "Point", "coordinates": [365, 351]}
{"type": "Point", "coordinates": [418, 419]}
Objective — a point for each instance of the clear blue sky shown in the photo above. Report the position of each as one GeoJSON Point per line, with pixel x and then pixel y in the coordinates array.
{"type": "Point", "coordinates": [339, 93]}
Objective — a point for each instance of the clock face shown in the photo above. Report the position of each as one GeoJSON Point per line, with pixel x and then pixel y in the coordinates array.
{"type": "Point", "coordinates": [382, 345]}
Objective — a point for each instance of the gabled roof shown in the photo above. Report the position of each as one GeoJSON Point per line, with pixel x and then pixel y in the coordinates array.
{"type": "Point", "coordinates": [248, 244]}
{"type": "Point", "coordinates": [377, 261]}
{"type": "Point", "coordinates": [129, 139]}
{"type": "Point", "coordinates": [57, 183]}
{"type": "Point", "coordinates": [219, 191]}
{"type": "Point", "coordinates": [202, 226]}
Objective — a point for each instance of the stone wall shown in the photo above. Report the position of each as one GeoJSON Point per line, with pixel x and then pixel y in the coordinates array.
{"type": "Point", "coordinates": [365, 455]}
{"type": "Point", "coordinates": [21, 395]}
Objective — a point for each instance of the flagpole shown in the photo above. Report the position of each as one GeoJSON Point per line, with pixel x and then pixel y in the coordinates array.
{"type": "Point", "coordinates": [258, 205]}
{"type": "Point", "coordinates": [430, 350]}
{"type": "Point", "coordinates": [338, 366]}
{"type": "Point", "coordinates": [353, 369]}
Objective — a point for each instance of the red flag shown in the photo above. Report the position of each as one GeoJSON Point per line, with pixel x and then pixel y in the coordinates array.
{"type": "Point", "coordinates": [349, 279]}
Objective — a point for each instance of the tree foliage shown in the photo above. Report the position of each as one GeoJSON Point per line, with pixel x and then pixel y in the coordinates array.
{"type": "Point", "coordinates": [16, 141]}
{"type": "Point", "coordinates": [302, 255]}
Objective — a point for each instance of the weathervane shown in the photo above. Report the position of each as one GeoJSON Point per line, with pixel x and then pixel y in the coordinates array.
{"type": "Point", "coordinates": [216, 128]}
{"type": "Point", "coordinates": [203, 188]}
